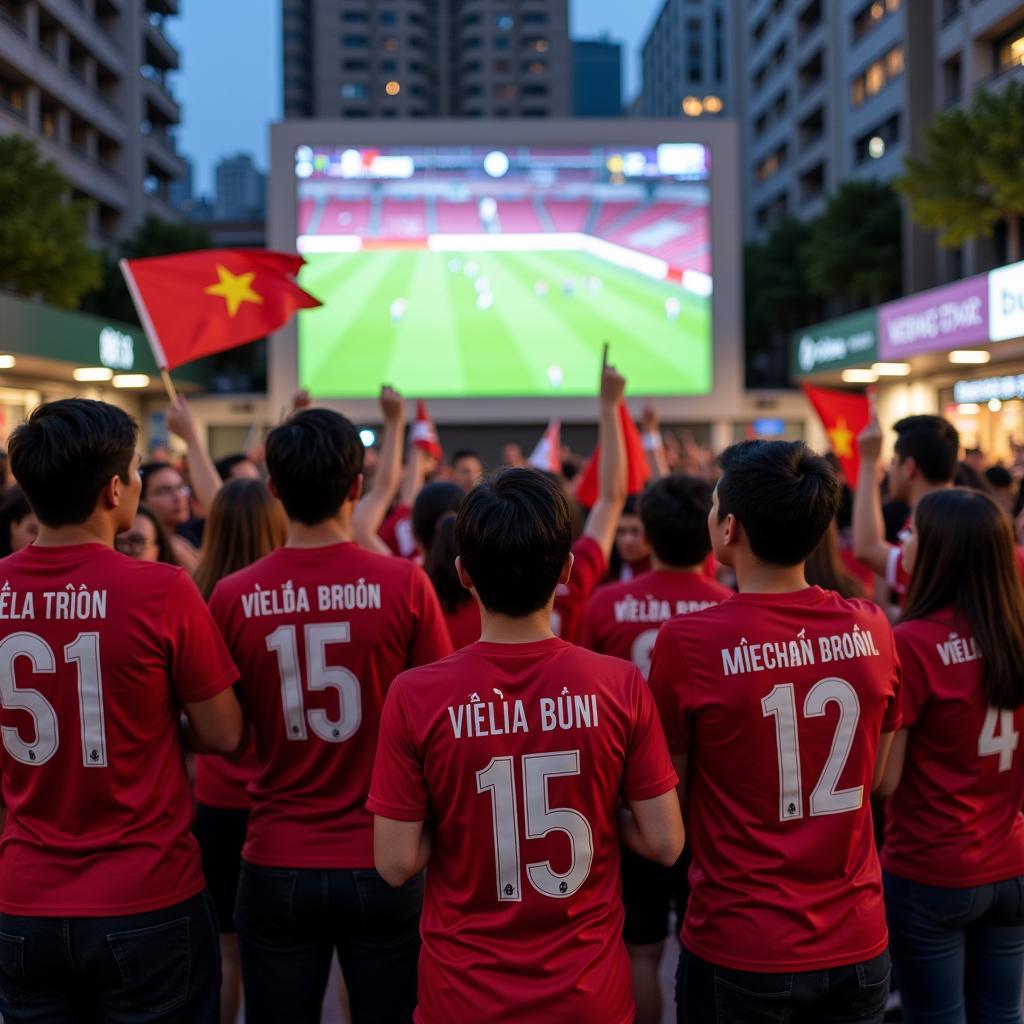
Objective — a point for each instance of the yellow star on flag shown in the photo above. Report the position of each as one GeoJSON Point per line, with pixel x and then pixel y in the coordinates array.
{"type": "Point", "coordinates": [234, 289]}
{"type": "Point", "coordinates": [841, 437]}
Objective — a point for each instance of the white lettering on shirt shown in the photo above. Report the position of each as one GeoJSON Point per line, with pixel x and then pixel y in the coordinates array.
{"type": "Point", "coordinates": [71, 604]}
{"type": "Point", "coordinates": [654, 609]}
{"type": "Point", "coordinates": [958, 650]}
{"type": "Point", "coordinates": [480, 718]}
{"type": "Point", "coordinates": [747, 657]}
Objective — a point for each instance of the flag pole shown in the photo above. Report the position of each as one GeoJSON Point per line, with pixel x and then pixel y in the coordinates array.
{"type": "Point", "coordinates": [150, 331]}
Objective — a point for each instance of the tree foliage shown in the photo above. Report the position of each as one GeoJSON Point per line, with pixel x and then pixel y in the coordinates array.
{"type": "Point", "coordinates": [855, 248]}
{"type": "Point", "coordinates": [43, 247]}
{"type": "Point", "coordinates": [971, 176]}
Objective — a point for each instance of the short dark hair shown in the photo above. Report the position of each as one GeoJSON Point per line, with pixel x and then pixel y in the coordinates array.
{"type": "Point", "coordinates": [225, 465]}
{"type": "Point", "coordinates": [783, 495]}
{"type": "Point", "coordinates": [933, 443]}
{"type": "Point", "coordinates": [65, 454]}
{"type": "Point", "coordinates": [674, 511]}
{"type": "Point", "coordinates": [465, 453]}
{"type": "Point", "coordinates": [999, 476]}
{"type": "Point", "coordinates": [149, 469]}
{"type": "Point", "coordinates": [314, 458]}
{"type": "Point", "coordinates": [513, 533]}
{"type": "Point", "coordinates": [431, 503]}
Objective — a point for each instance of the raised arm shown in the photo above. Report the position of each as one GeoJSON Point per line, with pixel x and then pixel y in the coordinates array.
{"type": "Point", "coordinates": [869, 544]}
{"type": "Point", "coordinates": [654, 444]}
{"type": "Point", "coordinates": [373, 507]}
{"type": "Point", "coordinates": [603, 519]}
{"type": "Point", "coordinates": [203, 477]}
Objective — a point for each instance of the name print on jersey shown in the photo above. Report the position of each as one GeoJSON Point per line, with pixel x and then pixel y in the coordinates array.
{"type": "Point", "coordinates": [478, 718]}
{"type": "Point", "coordinates": [747, 657]}
{"type": "Point", "coordinates": [288, 599]}
{"type": "Point", "coordinates": [653, 609]}
{"type": "Point", "coordinates": [958, 650]}
{"type": "Point", "coordinates": [68, 604]}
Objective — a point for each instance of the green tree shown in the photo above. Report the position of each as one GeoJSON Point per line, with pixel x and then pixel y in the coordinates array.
{"type": "Point", "coordinates": [855, 248]}
{"type": "Point", "coordinates": [153, 237]}
{"type": "Point", "coordinates": [778, 300]}
{"type": "Point", "coordinates": [971, 176]}
{"type": "Point", "coordinates": [43, 248]}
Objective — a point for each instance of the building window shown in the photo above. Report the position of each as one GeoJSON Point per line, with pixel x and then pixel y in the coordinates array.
{"type": "Point", "coordinates": [870, 16]}
{"type": "Point", "coordinates": [505, 22]}
{"type": "Point", "coordinates": [1010, 49]}
{"type": "Point", "coordinates": [354, 91]}
{"type": "Point", "coordinates": [695, 50]}
{"type": "Point", "coordinates": [355, 65]}
{"type": "Point", "coordinates": [719, 49]}
{"type": "Point", "coordinates": [535, 18]}
{"type": "Point", "coordinates": [387, 18]}
{"type": "Point", "coordinates": [354, 17]}
{"type": "Point", "coordinates": [355, 42]}
{"type": "Point", "coordinates": [771, 164]}
{"type": "Point", "coordinates": [876, 76]}
{"type": "Point", "coordinates": [873, 145]}
{"type": "Point", "coordinates": [952, 84]}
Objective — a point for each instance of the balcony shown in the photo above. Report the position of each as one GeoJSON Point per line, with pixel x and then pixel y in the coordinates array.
{"type": "Point", "coordinates": [160, 52]}
{"type": "Point", "coordinates": [156, 91]}
{"type": "Point", "coordinates": [169, 8]}
{"type": "Point", "coordinates": [159, 148]}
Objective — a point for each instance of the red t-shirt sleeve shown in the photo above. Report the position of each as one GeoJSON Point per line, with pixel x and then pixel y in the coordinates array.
{"type": "Point", "coordinates": [398, 789]}
{"type": "Point", "coordinates": [649, 771]}
{"type": "Point", "coordinates": [669, 682]}
{"type": "Point", "coordinates": [431, 639]}
{"type": "Point", "coordinates": [588, 570]}
{"type": "Point", "coordinates": [588, 631]}
{"type": "Point", "coordinates": [200, 664]}
{"type": "Point", "coordinates": [914, 689]}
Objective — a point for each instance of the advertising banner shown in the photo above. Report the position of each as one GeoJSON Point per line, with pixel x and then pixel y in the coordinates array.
{"type": "Point", "coordinates": [949, 317]}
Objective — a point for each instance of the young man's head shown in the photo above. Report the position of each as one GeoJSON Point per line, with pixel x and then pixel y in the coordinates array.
{"type": "Point", "coordinates": [237, 467]}
{"type": "Point", "coordinates": [927, 449]}
{"type": "Point", "coordinates": [315, 462]}
{"type": "Point", "coordinates": [674, 512]}
{"type": "Point", "coordinates": [76, 457]}
{"type": "Point", "coordinates": [514, 538]}
{"type": "Point", "coordinates": [467, 469]}
{"type": "Point", "coordinates": [774, 499]}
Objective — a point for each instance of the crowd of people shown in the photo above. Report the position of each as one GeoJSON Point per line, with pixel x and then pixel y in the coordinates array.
{"type": "Point", "coordinates": [443, 725]}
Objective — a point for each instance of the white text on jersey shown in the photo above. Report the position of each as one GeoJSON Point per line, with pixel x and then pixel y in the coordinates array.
{"type": "Point", "coordinates": [489, 718]}
{"type": "Point", "coordinates": [763, 657]}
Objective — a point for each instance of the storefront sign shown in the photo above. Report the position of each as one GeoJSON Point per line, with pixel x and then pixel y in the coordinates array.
{"type": "Point", "coordinates": [849, 341]}
{"type": "Point", "coordinates": [936, 320]}
{"type": "Point", "coordinates": [1006, 302]}
{"type": "Point", "coordinates": [117, 350]}
{"type": "Point", "coordinates": [980, 391]}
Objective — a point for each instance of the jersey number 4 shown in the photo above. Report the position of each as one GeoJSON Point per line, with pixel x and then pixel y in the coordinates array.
{"type": "Point", "coordinates": [499, 778]}
{"type": "Point", "coordinates": [84, 653]}
{"type": "Point", "coordinates": [780, 704]}
{"type": "Point", "coordinates": [1005, 743]}
{"type": "Point", "coordinates": [320, 676]}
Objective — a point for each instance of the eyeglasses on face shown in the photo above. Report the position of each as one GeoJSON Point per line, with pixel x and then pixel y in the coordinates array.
{"type": "Point", "coordinates": [133, 542]}
{"type": "Point", "coordinates": [170, 490]}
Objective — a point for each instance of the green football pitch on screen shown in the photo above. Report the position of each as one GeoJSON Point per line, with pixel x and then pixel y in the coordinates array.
{"type": "Point", "coordinates": [496, 324]}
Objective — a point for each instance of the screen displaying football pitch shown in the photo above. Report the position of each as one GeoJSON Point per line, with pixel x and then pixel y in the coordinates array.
{"type": "Point", "coordinates": [458, 273]}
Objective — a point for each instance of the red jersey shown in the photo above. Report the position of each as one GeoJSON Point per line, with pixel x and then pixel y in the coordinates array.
{"type": "Point", "coordinates": [955, 819]}
{"type": "Point", "coordinates": [898, 579]}
{"type": "Point", "coordinates": [463, 624]}
{"type": "Point", "coordinates": [532, 745]}
{"type": "Point", "coordinates": [396, 532]}
{"type": "Point", "coordinates": [97, 654]}
{"type": "Point", "coordinates": [779, 701]}
{"type": "Point", "coordinates": [223, 783]}
{"type": "Point", "coordinates": [588, 569]}
{"type": "Point", "coordinates": [319, 634]}
{"type": "Point", "coordinates": [623, 619]}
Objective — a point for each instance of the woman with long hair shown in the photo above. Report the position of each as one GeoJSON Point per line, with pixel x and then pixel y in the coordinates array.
{"type": "Point", "coordinates": [18, 523]}
{"type": "Point", "coordinates": [826, 568]}
{"type": "Point", "coordinates": [953, 856]}
{"type": "Point", "coordinates": [147, 540]}
{"type": "Point", "coordinates": [167, 496]}
{"type": "Point", "coordinates": [246, 522]}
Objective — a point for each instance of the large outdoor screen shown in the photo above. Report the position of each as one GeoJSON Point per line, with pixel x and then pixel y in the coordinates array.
{"type": "Point", "coordinates": [467, 272]}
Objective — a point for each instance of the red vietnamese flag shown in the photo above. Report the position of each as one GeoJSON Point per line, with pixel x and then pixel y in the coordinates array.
{"type": "Point", "coordinates": [423, 433]}
{"type": "Point", "coordinates": [196, 303]}
{"type": "Point", "coordinates": [638, 471]}
{"type": "Point", "coordinates": [844, 415]}
{"type": "Point", "coordinates": [547, 454]}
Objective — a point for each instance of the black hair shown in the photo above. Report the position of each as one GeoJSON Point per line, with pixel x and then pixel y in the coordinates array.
{"type": "Point", "coordinates": [431, 503]}
{"type": "Point", "coordinates": [999, 477]}
{"type": "Point", "coordinates": [967, 476]}
{"type": "Point", "coordinates": [148, 470]}
{"type": "Point", "coordinates": [225, 465]}
{"type": "Point", "coordinates": [439, 565]}
{"type": "Point", "coordinates": [674, 511]}
{"type": "Point", "coordinates": [13, 509]}
{"type": "Point", "coordinates": [632, 506]}
{"type": "Point", "coordinates": [164, 550]}
{"type": "Point", "coordinates": [782, 494]}
{"type": "Point", "coordinates": [514, 533]}
{"type": "Point", "coordinates": [66, 453]}
{"type": "Point", "coordinates": [465, 453]}
{"type": "Point", "coordinates": [314, 458]}
{"type": "Point", "coordinates": [932, 442]}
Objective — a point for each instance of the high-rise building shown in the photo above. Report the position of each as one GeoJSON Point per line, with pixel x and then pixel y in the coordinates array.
{"type": "Point", "coordinates": [241, 190]}
{"type": "Point", "coordinates": [686, 61]}
{"type": "Point", "coordinates": [829, 90]}
{"type": "Point", "coordinates": [427, 58]}
{"type": "Point", "coordinates": [82, 77]}
{"type": "Point", "coordinates": [597, 78]}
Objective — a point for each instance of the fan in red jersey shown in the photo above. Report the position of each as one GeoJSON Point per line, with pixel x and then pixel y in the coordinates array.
{"type": "Point", "coordinates": [593, 550]}
{"type": "Point", "coordinates": [623, 619]}
{"type": "Point", "coordinates": [103, 906]}
{"type": "Point", "coordinates": [502, 768]}
{"type": "Point", "coordinates": [319, 630]}
{"type": "Point", "coordinates": [954, 838]}
{"type": "Point", "coordinates": [775, 703]}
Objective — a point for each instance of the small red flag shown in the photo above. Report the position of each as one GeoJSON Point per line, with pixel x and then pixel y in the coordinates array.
{"type": "Point", "coordinates": [638, 471]}
{"type": "Point", "coordinates": [196, 303]}
{"type": "Point", "coordinates": [548, 453]}
{"type": "Point", "coordinates": [423, 433]}
{"type": "Point", "coordinates": [844, 415]}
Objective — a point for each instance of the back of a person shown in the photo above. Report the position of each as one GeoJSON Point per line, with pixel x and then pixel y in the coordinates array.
{"type": "Point", "coordinates": [787, 729]}
{"type": "Point", "coordinates": [94, 778]}
{"type": "Point", "coordinates": [526, 743]}
{"type": "Point", "coordinates": [318, 635]}
{"type": "Point", "coordinates": [956, 813]}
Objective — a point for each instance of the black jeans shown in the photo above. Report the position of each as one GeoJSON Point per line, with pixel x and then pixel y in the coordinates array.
{"type": "Point", "coordinates": [708, 994]}
{"type": "Point", "coordinates": [290, 923]}
{"type": "Point", "coordinates": [160, 966]}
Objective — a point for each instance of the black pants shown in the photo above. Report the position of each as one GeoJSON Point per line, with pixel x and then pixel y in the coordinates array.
{"type": "Point", "coordinates": [709, 994]}
{"type": "Point", "coordinates": [160, 966]}
{"type": "Point", "coordinates": [291, 922]}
